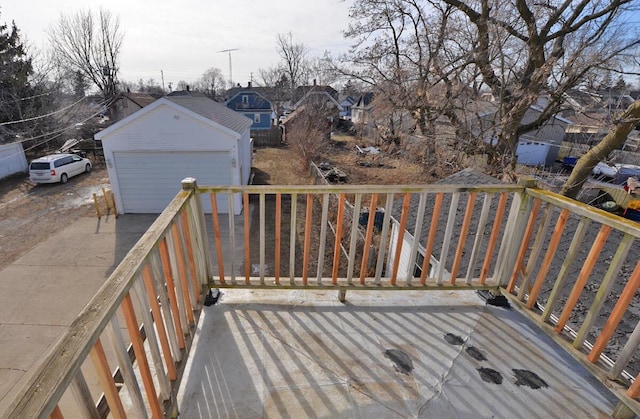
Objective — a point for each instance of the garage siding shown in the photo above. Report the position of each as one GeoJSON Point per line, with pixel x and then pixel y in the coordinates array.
{"type": "Point", "coordinates": [148, 181]}
{"type": "Point", "coordinates": [12, 160]}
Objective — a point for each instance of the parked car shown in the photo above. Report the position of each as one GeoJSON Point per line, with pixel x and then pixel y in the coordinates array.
{"type": "Point", "coordinates": [58, 168]}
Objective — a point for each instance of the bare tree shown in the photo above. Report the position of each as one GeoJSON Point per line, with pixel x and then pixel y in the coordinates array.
{"type": "Point", "coordinates": [414, 55]}
{"type": "Point", "coordinates": [309, 130]}
{"type": "Point", "coordinates": [272, 76]}
{"type": "Point", "coordinates": [90, 44]}
{"type": "Point", "coordinates": [321, 70]}
{"type": "Point", "coordinates": [294, 58]}
{"type": "Point", "coordinates": [212, 83]}
{"type": "Point", "coordinates": [526, 50]}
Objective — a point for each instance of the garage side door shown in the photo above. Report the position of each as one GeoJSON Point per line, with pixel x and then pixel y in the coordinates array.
{"type": "Point", "coordinates": [149, 181]}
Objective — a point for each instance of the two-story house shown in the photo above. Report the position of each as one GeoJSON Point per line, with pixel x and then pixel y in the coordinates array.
{"type": "Point", "coordinates": [254, 106]}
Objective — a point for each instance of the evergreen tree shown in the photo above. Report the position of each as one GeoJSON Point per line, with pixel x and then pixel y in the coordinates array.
{"type": "Point", "coordinates": [15, 88]}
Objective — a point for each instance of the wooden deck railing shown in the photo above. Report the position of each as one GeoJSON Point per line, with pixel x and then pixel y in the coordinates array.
{"type": "Point", "coordinates": [157, 292]}
{"type": "Point", "coordinates": [542, 251]}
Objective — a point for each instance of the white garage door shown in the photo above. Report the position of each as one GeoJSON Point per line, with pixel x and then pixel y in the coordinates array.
{"type": "Point", "coordinates": [149, 181]}
{"type": "Point", "coordinates": [532, 153]}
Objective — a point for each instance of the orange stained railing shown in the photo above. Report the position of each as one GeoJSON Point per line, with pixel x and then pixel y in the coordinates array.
{"type": "Point", "coordinates": [134, 336]}
{"type": "Point", "coordinates": [570, 268]}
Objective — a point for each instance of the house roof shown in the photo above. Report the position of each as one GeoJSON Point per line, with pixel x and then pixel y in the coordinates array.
{"type": "Point", "coordinates": [364, 100]}
{"type": "Point", "coordinates": [214, 111]}
{"type": "Point", "coordinates": [468, 176]}
{"type": "Point", "coordinates": [139, 98]}
{"type": "Point", "coordinates": [318, 96]}
{"type": "Point", "coordinates": [302, 91]}
{"type": "Point", "coordinates": [272, 94]}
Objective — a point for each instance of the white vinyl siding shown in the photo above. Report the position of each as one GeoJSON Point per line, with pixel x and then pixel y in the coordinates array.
{"type": "Point", "coordinates": [12, 159]}
{"type": "Point", "coordinates": [405, 256]}
{"type": "Point", "coordinates": [148, 181]}
{"type": "Point", "coordinates": [149, 153]}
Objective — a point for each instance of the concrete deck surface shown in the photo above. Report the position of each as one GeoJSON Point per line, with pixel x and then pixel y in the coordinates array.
{"type": "Point", "coordinates": [296, 354]}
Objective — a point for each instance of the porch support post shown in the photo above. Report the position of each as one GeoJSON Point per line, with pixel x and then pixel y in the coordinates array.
{"type": "Point", "coordinates": [622, 411]}
{"type": "Point", "coordinates": [342, 295]}
{"type": "Point", "coordinates": [189, 184]}
{"type": "Point", "coordinates": [512, 239]}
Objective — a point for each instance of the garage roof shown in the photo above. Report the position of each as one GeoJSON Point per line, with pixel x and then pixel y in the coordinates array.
{"type": "Point", "coordinates": [200, 105]}
{"type": "Point", "coordinates": [214, 111]}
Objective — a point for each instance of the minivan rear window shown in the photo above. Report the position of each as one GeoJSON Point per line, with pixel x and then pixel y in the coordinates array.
{"type": "Point", "coordinates": [40, 166]}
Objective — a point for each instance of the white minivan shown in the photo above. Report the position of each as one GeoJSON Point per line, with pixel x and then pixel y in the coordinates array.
{"type": "Point", "coordinates": [58, 168]}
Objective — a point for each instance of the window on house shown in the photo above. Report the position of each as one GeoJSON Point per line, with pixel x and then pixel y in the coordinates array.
{"type": "Point", "coordinates": [245, 99]}
{"type": "Point", "coordinates": [417, 267]}
{"type": "Point", "coordinates": [256, 118]}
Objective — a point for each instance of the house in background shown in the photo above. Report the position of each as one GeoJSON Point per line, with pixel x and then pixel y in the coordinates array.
{"type": "Point", "coordinates": [346, 103]}
{"type": "Point", "coordinates": [254, 105]}
{"type": "Point", "coordinates": [313, 90]}
{"type": "Point", "coordinates": [317, 96]}
{"type": "Point", "coordinates": [128, 103]}
{"type": "Point", "coordinates": [361, 111]}
{"type": "Point", "coordinates": [593, 113]}
{"type": "Point", "coordinates": [536, 148]}
{"type": "Point", "coordinates": [181, 135]}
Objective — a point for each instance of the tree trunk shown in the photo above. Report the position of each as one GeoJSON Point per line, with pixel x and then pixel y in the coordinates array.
{"type": "Point", "coordinates": [613, 140]}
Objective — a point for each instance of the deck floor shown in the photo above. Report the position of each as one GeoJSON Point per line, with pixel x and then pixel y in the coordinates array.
{"type": "Point", "coordinates": [263, 354]}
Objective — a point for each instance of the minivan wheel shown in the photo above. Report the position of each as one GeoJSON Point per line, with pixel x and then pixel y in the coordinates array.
{"type": "Point", "coordinates": [87, 168]}
{"type": "Point", "coordinates": [64, 178]}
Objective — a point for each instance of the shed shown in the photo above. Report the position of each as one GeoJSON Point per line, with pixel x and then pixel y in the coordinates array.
{"type": "Point", "coordinates": [149, 152]}
{"type": "Point", "coordinates": [12, 159]}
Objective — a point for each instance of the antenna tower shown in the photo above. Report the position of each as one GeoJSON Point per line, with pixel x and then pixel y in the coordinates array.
{"type": "Point", "coordinates": [230, 72]}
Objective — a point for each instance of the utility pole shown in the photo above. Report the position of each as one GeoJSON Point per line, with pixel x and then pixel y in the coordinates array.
{"type": "Point", "coordinates": [162, 76]}
{"type": "Point", "coordinates": [230, 72]}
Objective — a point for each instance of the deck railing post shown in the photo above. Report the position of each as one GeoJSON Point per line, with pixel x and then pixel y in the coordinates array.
{"type": "Point", "coordinates": [514, 233]}
{"type": "Point", "coordinates": [189, 184]}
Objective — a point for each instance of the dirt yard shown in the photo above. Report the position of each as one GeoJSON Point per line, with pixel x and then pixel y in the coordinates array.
{"type": "Point", "coordinates": [281, 166]}
{"type": "Point", "coordinates": [30, 213]}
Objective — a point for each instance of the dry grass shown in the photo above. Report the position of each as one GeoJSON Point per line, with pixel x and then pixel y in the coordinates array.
{"type": "Point", "coordinates": [280, 166]}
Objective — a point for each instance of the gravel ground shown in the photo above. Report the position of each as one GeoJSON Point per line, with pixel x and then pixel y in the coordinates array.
{"type": "Point", "coordinates": [30, 213]}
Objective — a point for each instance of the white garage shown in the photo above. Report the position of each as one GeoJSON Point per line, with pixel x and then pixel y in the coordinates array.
{"type": "Point", "coordinates": [151, 151]}
{"type": "Point", "coordinates": [12, 159]}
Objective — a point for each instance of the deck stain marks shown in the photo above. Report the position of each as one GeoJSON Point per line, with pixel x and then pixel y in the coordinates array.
{"type": "Point", "coordinates": [490, 375]}
{"type": "Point", "coordinates": [476, 353]}
{"type": "Point", "coordinates": [529, 379]}
{"type": "Point", "coordinates": [453, 339]}
{"type": "Point", "coordinates": [401, 360]}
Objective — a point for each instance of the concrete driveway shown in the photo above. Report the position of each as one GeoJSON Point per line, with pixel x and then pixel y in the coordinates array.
{"type": "Point", "coordinates": [42, 292]}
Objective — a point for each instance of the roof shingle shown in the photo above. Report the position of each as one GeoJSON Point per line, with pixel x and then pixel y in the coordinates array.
{"type": "Point", "coordinates": [214, 111]}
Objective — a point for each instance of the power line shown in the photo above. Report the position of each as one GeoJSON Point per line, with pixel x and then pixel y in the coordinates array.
{"type": "Point", "coordinates": [41, 116]}
{"type": "Point", "coordinates": [59, 132]}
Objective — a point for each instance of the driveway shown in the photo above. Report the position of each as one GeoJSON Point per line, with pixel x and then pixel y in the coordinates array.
{"type": "Point", "coordinates": [42, 292]}
{"type": "Point", "coordinates": [30, 213]}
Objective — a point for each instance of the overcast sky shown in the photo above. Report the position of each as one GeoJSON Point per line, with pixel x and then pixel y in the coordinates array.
{"type": "Point", "coordinates": [182, 38]}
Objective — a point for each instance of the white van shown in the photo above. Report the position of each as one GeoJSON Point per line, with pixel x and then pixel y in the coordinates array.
{"type": "Point", "coordinates": [58, 168]}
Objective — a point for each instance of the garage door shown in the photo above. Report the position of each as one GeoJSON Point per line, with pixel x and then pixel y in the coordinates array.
{"type": "Point", "coordinates": [149, 181]}
{"type": "Point", "coordinates": [532, 153]}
